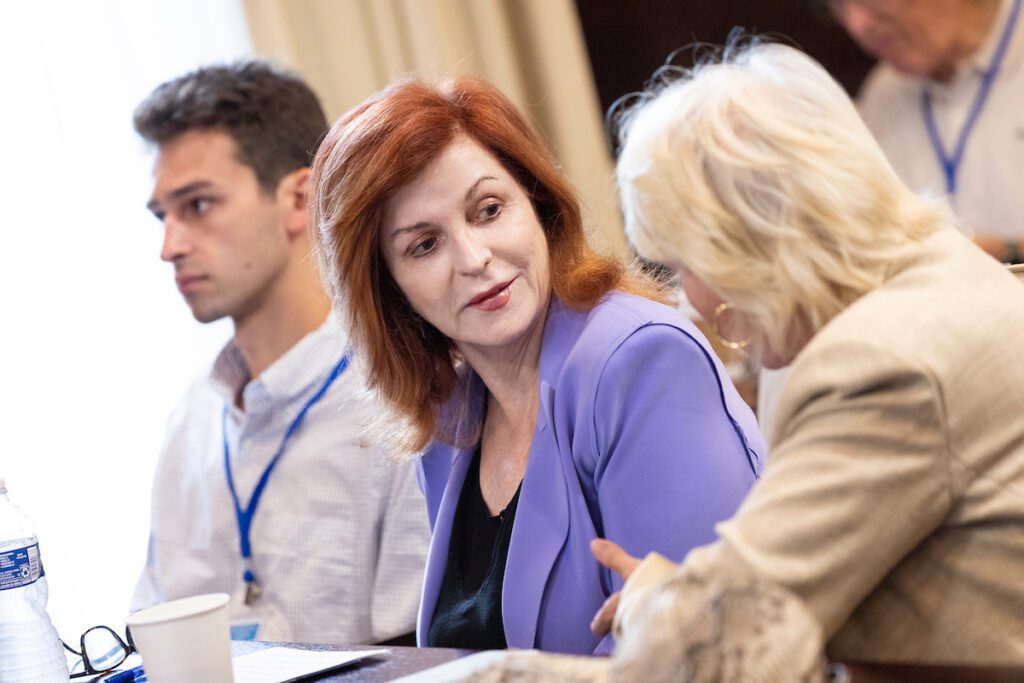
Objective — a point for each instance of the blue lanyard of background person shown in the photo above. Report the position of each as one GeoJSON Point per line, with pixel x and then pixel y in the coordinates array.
{"type": "Point", "coordinates": [951, 164]}
{"type": "Point", "coordinates": [244, 516]}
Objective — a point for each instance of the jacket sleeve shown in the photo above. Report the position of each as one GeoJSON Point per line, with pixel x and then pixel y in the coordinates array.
{"type": "Point", "coordinates": [671, 461]}
{"type": "Point", "coordinates": [856, 481]}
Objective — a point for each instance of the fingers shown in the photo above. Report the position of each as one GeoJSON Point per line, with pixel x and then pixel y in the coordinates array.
{"type": "Point", "coordinates": [611, 555]}
{"type": "Point", "coordinates": [614, 557]}
{"type": "Point", "coordinates": [602, 622]}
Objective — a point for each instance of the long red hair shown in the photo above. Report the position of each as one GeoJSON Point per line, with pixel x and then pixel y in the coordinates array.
{"type": "Point", "coordinates": [381, 145]}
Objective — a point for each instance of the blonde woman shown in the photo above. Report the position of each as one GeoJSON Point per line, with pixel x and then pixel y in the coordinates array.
{"type": "Point", "coordinates": [889, 522]}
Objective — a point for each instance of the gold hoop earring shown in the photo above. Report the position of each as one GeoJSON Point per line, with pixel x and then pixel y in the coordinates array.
{"type": "Point", "coordinates": [728, 343]}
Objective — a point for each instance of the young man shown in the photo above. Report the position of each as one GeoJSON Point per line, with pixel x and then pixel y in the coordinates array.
{"type": "Point", "coordinates": [264, 489]}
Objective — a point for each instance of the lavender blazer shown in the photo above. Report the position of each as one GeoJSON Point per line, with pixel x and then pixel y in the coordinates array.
{"type": "Point", "coordinates": [641, 438]}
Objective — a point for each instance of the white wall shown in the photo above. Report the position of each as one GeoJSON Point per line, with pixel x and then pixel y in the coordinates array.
{"type": "Point", "coordinates": [96, 345]}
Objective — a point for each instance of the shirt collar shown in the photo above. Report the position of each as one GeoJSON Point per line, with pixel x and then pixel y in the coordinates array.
{"type": "Point", "coordinates": [289, 376]}
{"type": "Point", "coordinates": [229, 374]}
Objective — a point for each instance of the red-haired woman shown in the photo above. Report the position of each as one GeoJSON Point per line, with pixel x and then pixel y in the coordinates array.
{"type": "Point", "coordinates": [557, 399]}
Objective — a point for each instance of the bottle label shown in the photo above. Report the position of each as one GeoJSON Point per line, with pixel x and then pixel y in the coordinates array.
{"type": "Point", "coordinates": [20, 567]}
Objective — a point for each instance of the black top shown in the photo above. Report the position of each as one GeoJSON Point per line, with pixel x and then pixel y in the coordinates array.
{"type": "Point", "coordinates": [468, 611]}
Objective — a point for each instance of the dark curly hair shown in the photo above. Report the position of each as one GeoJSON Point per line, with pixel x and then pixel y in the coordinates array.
{"type": "Point", "coordinates": [273, 116]}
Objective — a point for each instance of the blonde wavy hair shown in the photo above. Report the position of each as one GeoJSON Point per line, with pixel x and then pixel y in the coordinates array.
{"type": "Point", "coordinates": [754, 171]}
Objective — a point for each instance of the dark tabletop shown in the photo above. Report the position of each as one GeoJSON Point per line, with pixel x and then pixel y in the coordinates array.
{"type": "Point", "coordinates": [861, 672]}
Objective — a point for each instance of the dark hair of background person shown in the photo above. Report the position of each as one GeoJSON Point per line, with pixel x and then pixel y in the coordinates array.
{"type": "Point", "coordinates": [273, 116]}
{"type": "Point", "coordinates": [629, 40]}
{"type": "Point", "coordinates": [380, 146]}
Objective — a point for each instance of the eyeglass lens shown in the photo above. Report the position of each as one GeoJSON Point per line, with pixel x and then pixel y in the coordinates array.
{"type": "Point", "coordinates": [102, 649]}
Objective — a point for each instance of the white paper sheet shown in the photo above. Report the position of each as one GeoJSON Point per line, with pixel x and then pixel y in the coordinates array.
{"type": "Point", "coordinates": [282, 664]}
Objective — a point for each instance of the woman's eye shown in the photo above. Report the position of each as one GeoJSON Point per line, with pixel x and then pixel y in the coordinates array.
{"type": "Point", "coordinates": [423, 247]}
{"type": "Point", "coordinates": [488, 211]}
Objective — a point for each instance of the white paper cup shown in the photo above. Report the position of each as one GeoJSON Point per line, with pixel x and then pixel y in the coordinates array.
{"type": "Point", "coordinates": [185, 640]}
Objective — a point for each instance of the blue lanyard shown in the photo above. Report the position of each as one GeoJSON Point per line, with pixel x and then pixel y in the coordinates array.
{"type": "Point", "coordinates": [244, 515]}
{"type": "Point", "coordinates": [951, 164]}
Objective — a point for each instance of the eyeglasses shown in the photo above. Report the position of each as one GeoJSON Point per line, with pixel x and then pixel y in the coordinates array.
{"type": "Point", "coordinates": [102, 650]}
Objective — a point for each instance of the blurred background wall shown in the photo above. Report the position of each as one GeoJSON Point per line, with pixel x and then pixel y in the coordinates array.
{"type": "Point", "coordinates": [97, 345]}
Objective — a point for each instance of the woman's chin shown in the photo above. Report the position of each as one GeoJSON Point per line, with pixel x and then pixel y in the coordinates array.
{"type": "Point", "coordinates": [771, 361]}
{"type": "Point", "coordinates": [765, 357]}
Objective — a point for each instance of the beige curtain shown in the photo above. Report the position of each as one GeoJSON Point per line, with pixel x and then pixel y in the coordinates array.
{"type": "Point", "coordinates": [532, 49]}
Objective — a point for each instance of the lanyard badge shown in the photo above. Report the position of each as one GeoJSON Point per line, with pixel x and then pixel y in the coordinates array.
{"type": "Point", "coordinates": [951, 163]}
{"type": "Point", "coordinates": [244, 516]}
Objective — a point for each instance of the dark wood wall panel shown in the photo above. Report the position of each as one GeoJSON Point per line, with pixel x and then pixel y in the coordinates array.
{"type": "Point", "coordinates": [628, 39]}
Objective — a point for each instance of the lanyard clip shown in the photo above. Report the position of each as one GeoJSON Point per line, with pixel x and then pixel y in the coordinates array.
{"type": "Point", "coordinates": [253, 591]}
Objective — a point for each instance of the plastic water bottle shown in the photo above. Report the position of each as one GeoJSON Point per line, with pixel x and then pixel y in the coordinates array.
{"type": "Point", "coordinates": [30, 649]}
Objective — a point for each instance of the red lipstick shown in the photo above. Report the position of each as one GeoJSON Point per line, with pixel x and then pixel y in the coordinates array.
{"type": "Point", "coordinates": [494, 298]}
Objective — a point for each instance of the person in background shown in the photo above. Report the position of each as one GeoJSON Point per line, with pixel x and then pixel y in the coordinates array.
{"type": "Point", "coordinates": [888, 524]}
{"type": "Point", "coordinates": [946, 102]}
{"type": "Point", "coordinates": [558, 400]}
{"type": "Point", "coordinates": [265, 489]}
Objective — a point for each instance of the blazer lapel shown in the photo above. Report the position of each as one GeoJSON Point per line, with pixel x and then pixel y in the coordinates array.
{"type": "Point", "coordinates": [538, 534]}
{"type": "Point", "coordinates": [437, 555]}
{"type": "Point", "coordinates": [542, 516]}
